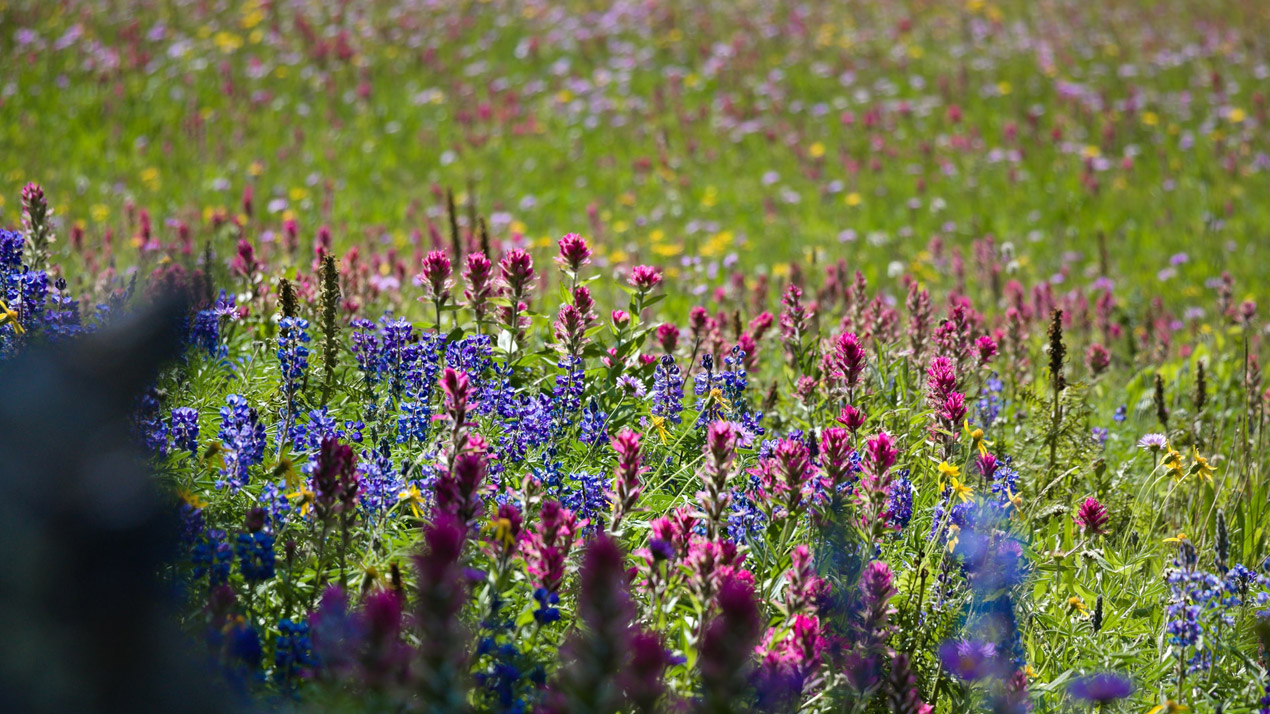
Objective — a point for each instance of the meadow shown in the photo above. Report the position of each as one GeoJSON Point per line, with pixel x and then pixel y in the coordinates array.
{"type": "Point", "coordinates": [656, 356]}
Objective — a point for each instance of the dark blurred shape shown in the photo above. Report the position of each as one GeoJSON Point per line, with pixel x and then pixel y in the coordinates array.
{"type": "Point", "coordinates": [87, 625]}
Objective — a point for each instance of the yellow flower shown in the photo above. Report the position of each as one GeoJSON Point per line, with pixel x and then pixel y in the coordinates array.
{"type": "Point", "coordinates": [306, 497]}
{"type": "Point", "coordinates": [853, 199]}
{"type": "Point", "coordinates": [192, 499]}
{"type": "Point", "coordinates": [954, 533]}
{"type": "Point", "coordinates": [414, 498]}
{"type": "Point", "coordinates": [960, 491]}
{"type": "Point", "coordinates": [1176, 539]}
{"type": "Point", "coordinates": [1173, 462]}
{"type": "Point", "coordinates": [9, 315]}
{"type": "Point", "coordinates": [816, 150]}
{"type": "Point", "coordinates": [1075, 604]}
{"type": "Point", "coordinates": [503, 531]}
{"type": "Point", "coordinates": [1015, 499]}
{"type": "Point", "coordinates": [659, 423]}
{"type": "Point", "coordinates": [947, 470]}
{"type": "Point", "coordinates": [976, 437]}
{"type": "Point", "coordinates": [1169, 707]}
{"type": "Point", "coordinates": [1201, 466]}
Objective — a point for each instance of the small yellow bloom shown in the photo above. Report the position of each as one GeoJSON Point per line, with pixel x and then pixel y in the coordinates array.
{"type": "Point", "coordinates": [192, 499]}
{"type": "Point", "coordinates": [816, 150]}
{"type": "Point", "coordinates": [306, 498]}
{"type": "Point", "coordinates": [659, 423]}
{"type": "Point", "coordinates": [1169, 707]}
{"type": "Point", "coordinates": [503, 531]}
{"type": "Point", "coordinates": [414, 498]}
{"type": "Point", "coordinates": [853, 199]}
{"type": "Point", "coordinates": [954, 534]}
{"type": "Point", "coordinates": [1176, 539]}
{"type": "Point", "coordinates": [960, 491]}
{"type": "Point", "coordinates": [1201, 466]}
{"type": "Point", "coordinates": [9, 315]}
{"type": "Point", "coordinates": [1075, 604]}
{"type": "Point", "coordinates": [1173, 462]}
{"type": "Point", "coordinates": [1237, 115]}
{"type": "Point", "coordinates": [947, 470]}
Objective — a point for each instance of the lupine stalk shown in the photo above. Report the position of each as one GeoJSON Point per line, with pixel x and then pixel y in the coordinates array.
{"type": "Point", "coordinates": [330, 327]}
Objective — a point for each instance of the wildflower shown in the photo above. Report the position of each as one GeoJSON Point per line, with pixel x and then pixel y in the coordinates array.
{"type": "Point", "coordinates": [574, 252]}
{"type": "Point", "coordinates": [1100, 689]}
{"type": "Point", "coordinates": [626, 481]}
{"type": "Point", "coordinates": [667, 392]}
{"type": "Point", "coordinates": [1092, 517]}
{"type": "Point", "coordinates": [848, 360]}
{"type": "Point", "coordinates": [1153, 442]}
{"type": "Point", "coordinates": [1173, 462]}
{"type": "Point", "coordinates": [1168, 707]}
{"type": "Point", "coordinates": [1200, 466]}
{"type": "Point", "coordinates": [10, 316]}
{"type": "Point", "coordinates": [726, 643]}
{"type": "Point", "coordinates": [1076, 605]}
{"type": "Point", "coordinates": [947, 470]}
{"type": "Point", "coordinates": [413, 498]}
{"type": "Point", "coordinates": [1179, 538]}
{"type": "Point", "coordinates": [442, 659]}
{"type": "Point", "coordinates": [959, 490]}
{"type": "Point", "coordinates": [970, 660]}
{"type": "Point", "coordinates": [645, 277]}
{"type": "Point", "coordinates": [184, 429]}
{"type": "Point", "coordinates": [1097, 359]}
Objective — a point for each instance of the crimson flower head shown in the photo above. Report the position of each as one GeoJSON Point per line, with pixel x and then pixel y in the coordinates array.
{"type": "Point", "coordinates": [954, 408]}
{"type": "Point", "coordinates": [852, 418]}
{"type": "Point", "coordinates": [1092, 517]}
{"type": "Point", "coordinates": [881, 453]}
{"type": "Point", "coordinates": [848, 358]}
{"type": "Point", "coordinates": [645, 277]}
{"type": "Point", "coordinates": [516, 269]}
{"type": "Point", "coordinates": [668, 337]}
{"type": "Point", "coordinates": [574, 252]}
{"type": "Point", "coordinates": [582, 299]}
{"type": "Point", "coordinates": [436, 275]}
{"type": "Point", "coordinates": [458, 391]}
{"type": "Point", "coordinates": [698, 320]}
{"type": "Point", "coordinates": [986, 348]}
{"type": "Point", "coordinates": [987, 465]}
{"type": "Point", "coordinates": [1097, 358]}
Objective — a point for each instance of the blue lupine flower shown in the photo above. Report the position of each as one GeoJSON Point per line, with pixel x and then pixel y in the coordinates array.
{"type": "Point", "coordinates": [243, 437]}
{"type": "Point", "coordinates": [568, 390]}
{"type": "Point", "coordinates": [381, 483]}
{"type": "Point", "coordinates": [255, 556]}
{"type": "Point", "coordinates": [367, 350]}
{"type": "Point", "coordinates": [588, 499]}
{"type": "Point", "coordinates": [273, 499]}
{"type": "Point", "coordinates": [414, 422]}
{"type": "Point", "coordinates": [204, 333]}
{"type": "Point", "coordinates": [293, 354]}
{"type": "Point", "coordinates": [546, 613]}
{"type": "Point", "coordinates": [11, 245]}
{"type": "Point", "coordinates": [184, 429]}
{"type": "Point", "coordinates": [292, 650]}
{"type": "Point", "coordinates": [668, 390]}
{"type": "Point", "coordinates": [1121, 412]}
{"type": "Point", "coordinates": [746, 519]}
{"type": "Point", "coordinates": [900, 500]}
{"type": "Point", "coordinates": [212, 557]}
{"type": "Point", "coordinates": [473, 355]}
{"type": "Point", "coordinates": [594, 425]}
